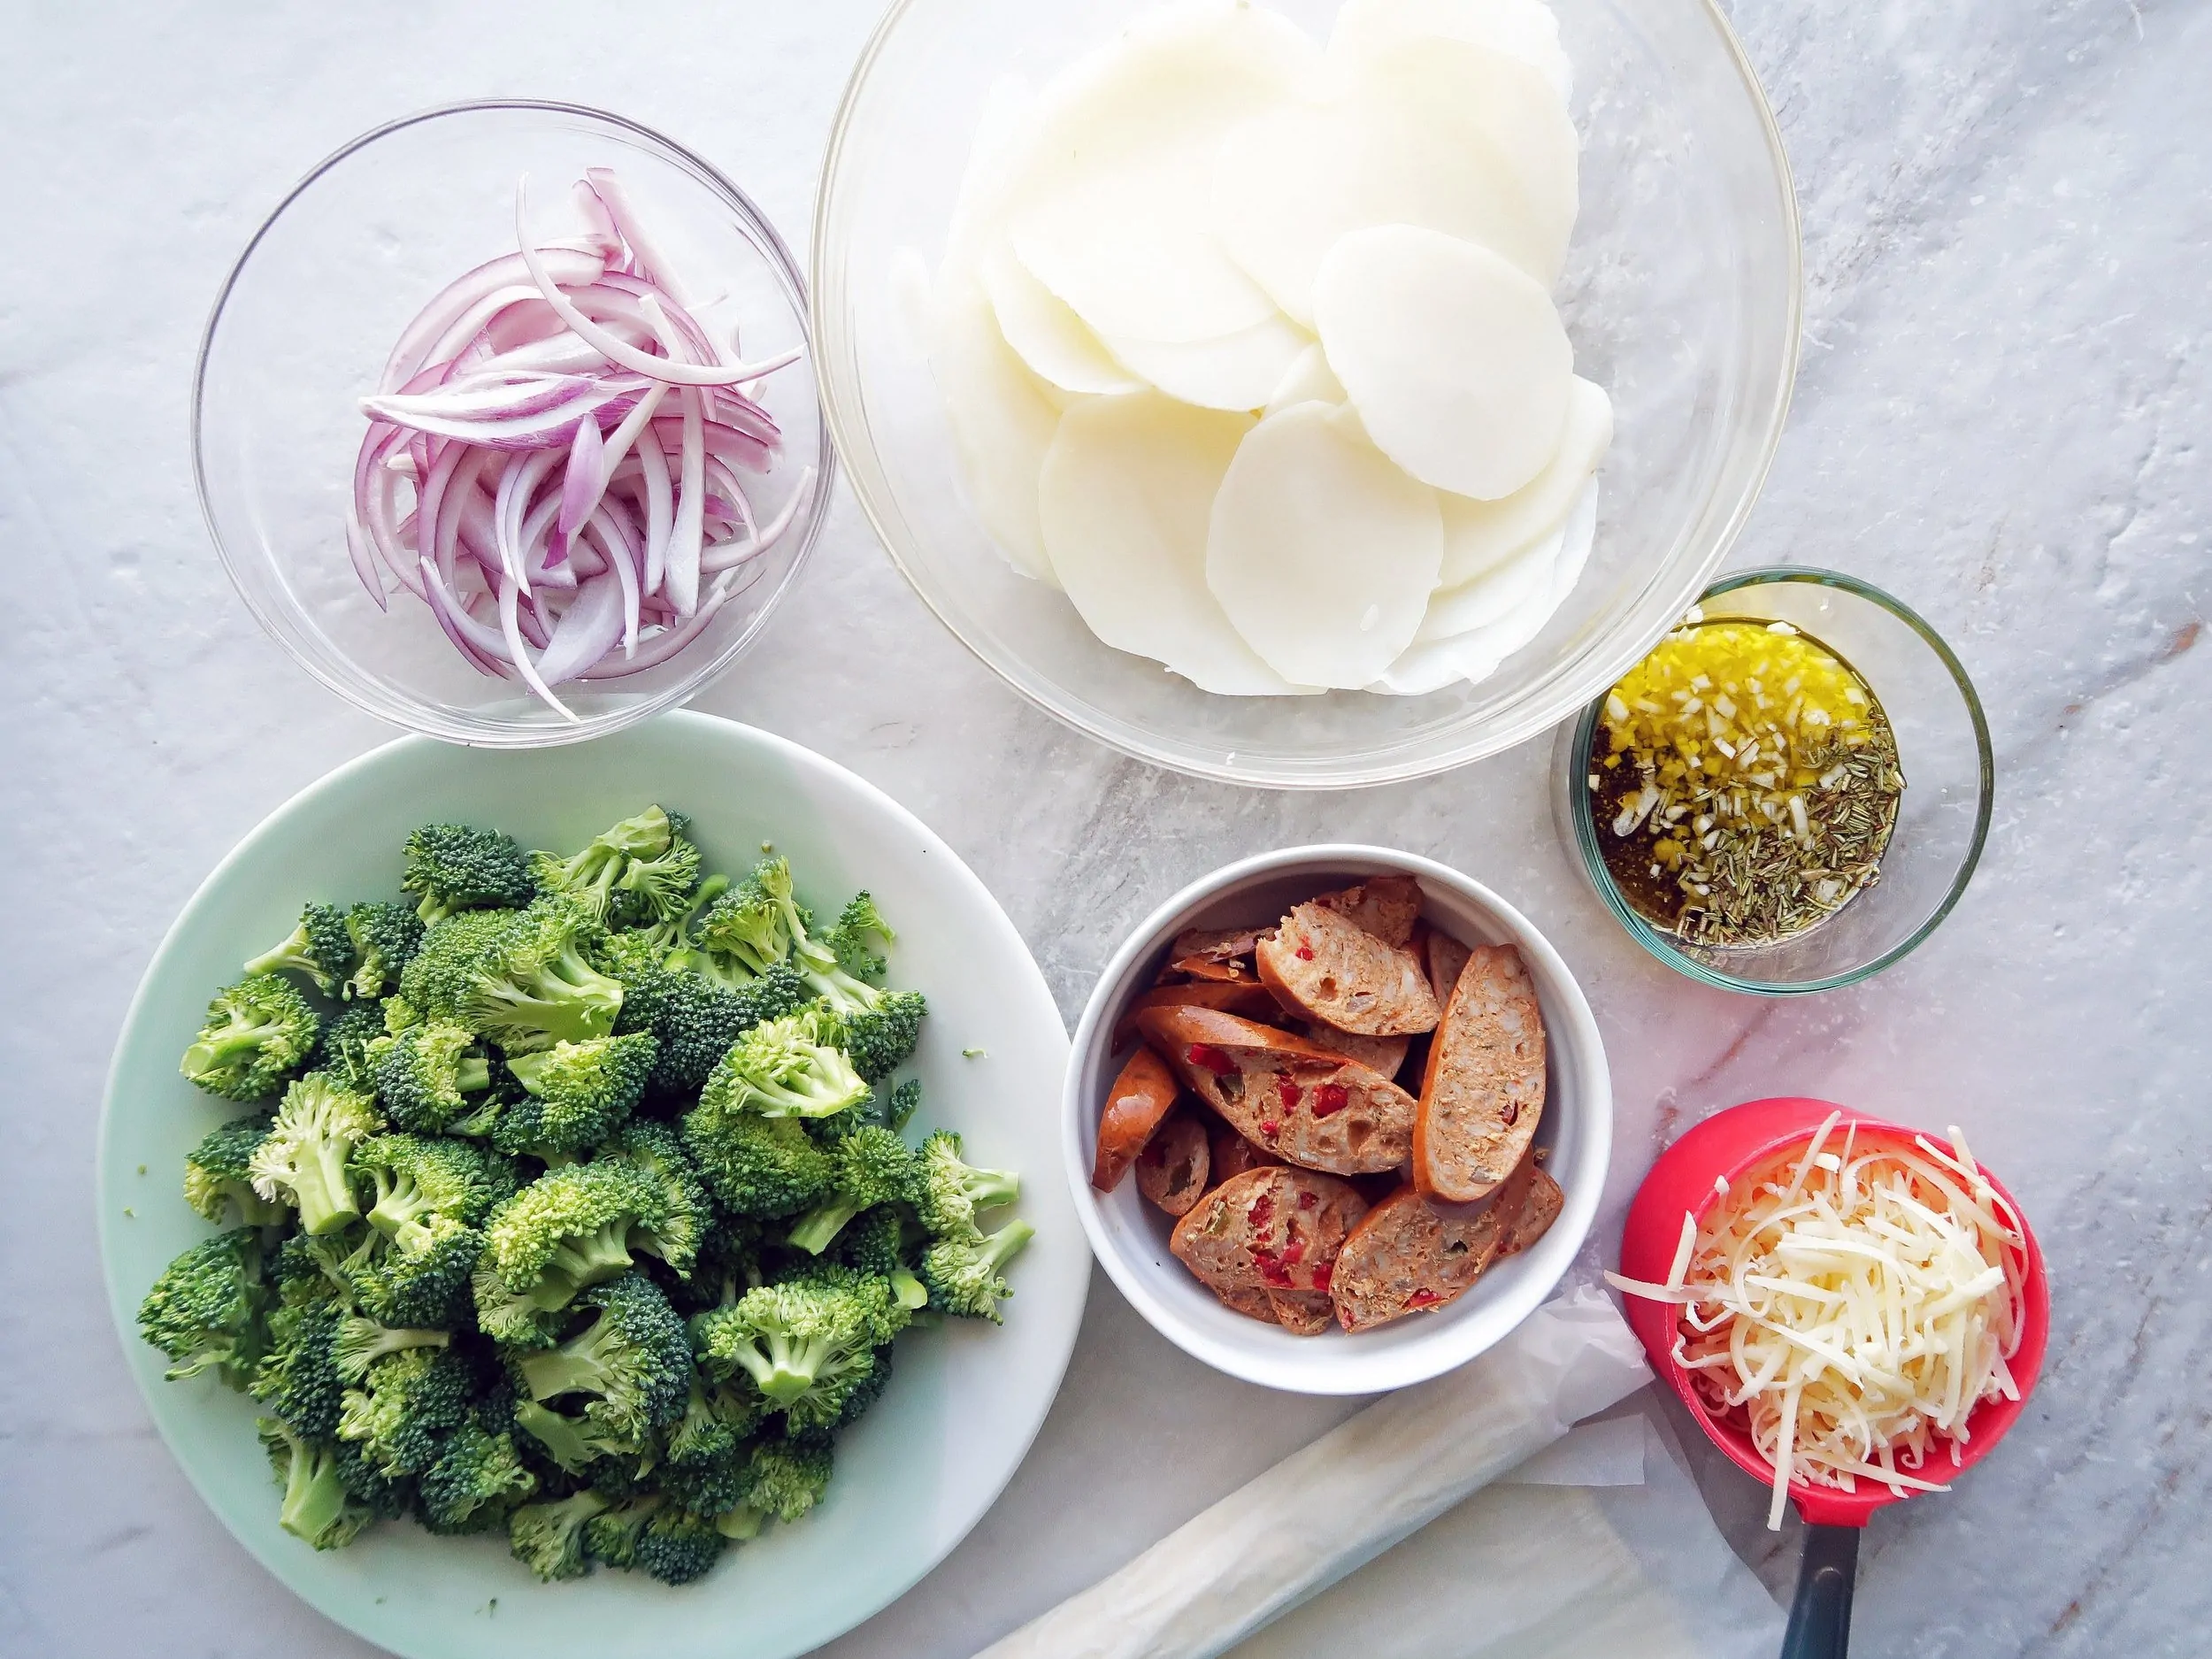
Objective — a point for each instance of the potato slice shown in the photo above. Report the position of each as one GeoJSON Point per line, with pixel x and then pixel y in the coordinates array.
{"type": "Point", "coordinates": [1113, 213]}
{"type": "Point", "coordinates": [1393, 150]}
{"type": "Point", "coordinates": [1046, 334]}
{"type": "Point", "coordinates": [1001, 416]}
{"type": "Point", "coordinates": [1494, 594]}
{"type": "Point", "coordinates": [1125, 496]}
{"type": "Point", "coordinates": [1236, 371]}
{"type": "Point", "coordinates": [1472, 657]}
{"type": "Point", "coordinates": [1322, 553]}
{"type": "Point", "coordinates": [1525, 29]}
{"type": "Point", "coordinates": [1483, 535]}
{"type": "Point", "coordinates": [1309, 380]}
{"type": "Point", "coordinates": [1454, 359]}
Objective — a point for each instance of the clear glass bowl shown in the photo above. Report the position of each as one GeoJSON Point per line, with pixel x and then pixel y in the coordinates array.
{"type": "Point", "coordinates": [303, 328]}
{"type": "Point", "coordinates": [1943, 819]}
{"type": "Point", "coordinates": [1681, 294]}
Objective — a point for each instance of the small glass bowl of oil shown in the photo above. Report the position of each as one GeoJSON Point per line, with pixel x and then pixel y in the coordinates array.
{"type": "Point", "coordinates": [1841, 922]}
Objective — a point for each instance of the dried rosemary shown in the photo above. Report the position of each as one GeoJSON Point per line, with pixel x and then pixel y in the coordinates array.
{"type": "Point", "coordinates": [1746, 783]}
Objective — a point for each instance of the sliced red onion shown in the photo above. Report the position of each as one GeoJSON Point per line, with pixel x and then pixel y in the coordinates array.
{"type": "Point", "coordinates": [415, 342]}
{"type": "Point", "coordinates": [562, 510]}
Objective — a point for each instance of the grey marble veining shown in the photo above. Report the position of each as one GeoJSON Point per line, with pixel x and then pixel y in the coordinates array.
{"type": "Point", "coordinates": [2001, 417]}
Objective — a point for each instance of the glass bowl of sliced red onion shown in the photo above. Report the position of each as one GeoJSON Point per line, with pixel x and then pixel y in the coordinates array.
{"type": "Point", "coordinates": [505, 426]}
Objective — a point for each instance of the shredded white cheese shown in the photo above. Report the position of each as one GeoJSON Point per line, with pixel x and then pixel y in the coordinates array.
{"type": "Point", "coordinates": [1850, 1309]}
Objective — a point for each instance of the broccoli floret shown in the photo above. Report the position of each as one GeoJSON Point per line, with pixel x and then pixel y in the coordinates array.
{"type": "Point", "coordinates": [349, 1046]}
{"type": "Point", "coordinates": [476, 1477]}
{"type": "Point", "coordinates": [549, 1538]}
{"type": "Point", "coordinates": [611, 1536]}
{"type": "Point", "coordinates": [641, 869]}
{"type": "Point", "coordinates": [578, 1094]}
{"type": "Point", "coordinates": [257, 1032]}
{"type": "Point", "coordinates": [882, 1037]}
{"type": "Point", "coordinates": [419, 1181]}
{"type": "Point", "coordinates": [655, 1151]}
{"type": "Point", "coordinates": [427, 1072]}
{"type": "Point", "coordinates": [385, 938]}
{"type": "Point", "coordinates": [792, 1067]}
{"type": "Point", "coordinates": [788, 1477]}
{"type": "Point", "coordinates": [710, 1438]}
{"type": "Point", "coordinates": [568, 1230]}
{"type": "Point", "coordinates": [806, 1343]}
{"type": "Point", "coordinates": [631, 1363]}
{"type": "Point", "coordinates": [316, 1270]}
{"type": "Point", "coordinates": [317, 1506]}
{"type": "Point", "coordinates": [695, 1021]}
{"type": "Point", "coordinates": [572, 1446]}
{"type": "Point", "coordinates": [849, 942]}
{"type": "Point", "coordinates": [678, 1546]}
{"type": "Point", "coordinates": [298, 1379]}
{"type": "Point", "coordinates": [519, 978]}
{"type": "Point", "coordinates": [871, 1166]}
{"type": "Point", "coordinates": [905, 1101]}
{"type": "Point", "coordinates": [301, 1161]}
{"type": "Point", "coordinates": [739, 937]}
{"type": "Point", "coordinates": [756, 1165]}
{"type": "Point", "coordinates": [216, 1182]}
{"type": "Point", "coordinates": [427, 1284]}
{"type": "Point", "coordinates": [405, 1405]}
{"type": "Point", "coordinates": [950, 1193]}
{"type": "Point", "coordinates": [964, 1275]}
{"type": "Point", "coordinates": [883, 1241]}
{"type": "Point", "coordinates": [208, 1307]}
{"type": "Point", "coordinates": [357, 1343]}
{"type": "Point", "coordinates": [452, 867]}
{"type": "Point", "coordinates": [320, 947]}
{"type": "Point", "coordinates": [728, 1261]}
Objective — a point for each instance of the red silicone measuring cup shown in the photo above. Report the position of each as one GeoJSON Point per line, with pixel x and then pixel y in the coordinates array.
{"type": "Point", "coordinates": [1729, 1144]}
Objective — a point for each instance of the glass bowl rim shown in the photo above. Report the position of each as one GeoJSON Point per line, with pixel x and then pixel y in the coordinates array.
{"type": "Point", "coordinates": [1661, 945]}
{"type": "Point", "coordinates": [1519, 723]}
{"type": "Point", "coordinates": [405, 708]}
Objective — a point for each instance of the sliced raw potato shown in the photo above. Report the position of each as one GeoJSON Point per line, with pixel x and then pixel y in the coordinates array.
{"type": "Point", "coordinates": [1127, 492]}
{"type": "Point", "coordinates": [1431, 663]}
{"type": "Point", "coordinates": [1322, 552]}
{"type": "Point", "coordinates": [1397, 147]}
{"type": "Point", "coordinates": [1002, 420]}
{"type": "Point", "coordinates": [1481, 536]}
{"type": "Point", "coordinates": [1045, 334]}
{"type": "Point", "coordinates": [1309, 380]}
{"type": "Point", "coordinates": [1237, 372]}
{"type": "Point", "coordinates": [1496, 594]}
{"type": "Point", "coordinates": [1454, 359]}
{"type": "Point", "coordinates": [1113, 212]}
{"type": "Point", "coordinates": [1525, 29]}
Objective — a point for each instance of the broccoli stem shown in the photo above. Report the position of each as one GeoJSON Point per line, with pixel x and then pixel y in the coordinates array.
{"type": "Point", "coordinates": [561, 1439]}
{"type": "Point", "coordinates": [988, 1190]}
{"type": "Point", "coordinates": [741, 1523]}
{"type": "Point", "coordinates": [815, 1229]}
{"type": "Point", "coordinates": [909, 1291]}
{"type": "Point", "coordinates": [326, 1195]}
{"type": "Point", "coordinates": [788, 1369]}
{"type": "Point", "coordinates": [577, 1367]}
{"type": "Point", "coordinates": [473, 1077]}
{"type": "Point", "coordinates": [582, 1261]}
{"type": "Point", "coordinates": [210, 1052]}
{"type": "Point", "coordinates": [1003, 1245]}
{"type": "Point", "coordinates": [314, 1497]}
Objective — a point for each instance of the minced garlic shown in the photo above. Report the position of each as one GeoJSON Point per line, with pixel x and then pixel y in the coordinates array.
{"type": "Point", "coordinates": [1748, 780]}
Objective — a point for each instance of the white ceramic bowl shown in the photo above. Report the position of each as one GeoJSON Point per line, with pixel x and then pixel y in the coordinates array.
{"type": "Point", "coordinates": [1130, 1237]}
{"type": "Point", "coordinates": [914, 1475]}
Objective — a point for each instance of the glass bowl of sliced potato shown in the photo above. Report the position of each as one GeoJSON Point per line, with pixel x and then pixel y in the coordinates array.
{"type": "Point", "coordinates": [1306, 393]}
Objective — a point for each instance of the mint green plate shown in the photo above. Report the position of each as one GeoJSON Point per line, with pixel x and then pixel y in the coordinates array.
{"type": "Point", "coordinates": [916, 1474]}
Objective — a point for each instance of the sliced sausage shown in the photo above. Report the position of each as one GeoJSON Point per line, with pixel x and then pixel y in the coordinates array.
{"type": "Point", "coordinates": [1301, 1101]}
{"type": "Point", "coordinates": [1445, 957]}
{"type": "Point", "coordinates": [1171, 1169]}
{"type": "Point", "coordinates": [1271, 1229]}
{"type": "Point", "coordinates": [1141, 1097]}
{"type": "Point", "coordinates": [1252, 1302]}
{"type": "Point", "coordinates": [1380, 1054]}
{"type": "Point", "coordinates": [1302, 1312]}
{"type": "Point", "coordinates": [1411, 1257]}
{"type": "Point", "coordinates": [1229, 1154]}
{"type": "Point", "coordinates": [1386, 906]}
{"type": "Point", "coordinates": [1541, 1201]}
{"type": "Point", "coordinates": [1483, 1091]}
{"type": "Point", "coordinates": [1215, 953]}
{"type": "Point", "coordinates": [1249, 1000]}
{"type": "Point", "coordinates": [1322, 966]}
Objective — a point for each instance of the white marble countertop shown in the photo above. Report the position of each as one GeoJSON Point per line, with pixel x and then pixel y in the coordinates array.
{"type": "Point", "coordinates": [2001, 417]}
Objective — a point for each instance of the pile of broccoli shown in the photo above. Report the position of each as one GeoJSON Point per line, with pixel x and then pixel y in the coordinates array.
{"type": "Point", "coordinates": [573, 1201]}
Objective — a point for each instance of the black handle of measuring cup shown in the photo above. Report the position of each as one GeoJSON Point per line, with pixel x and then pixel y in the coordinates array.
{"type": "Point", "coordinates": [1820, 1618]}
